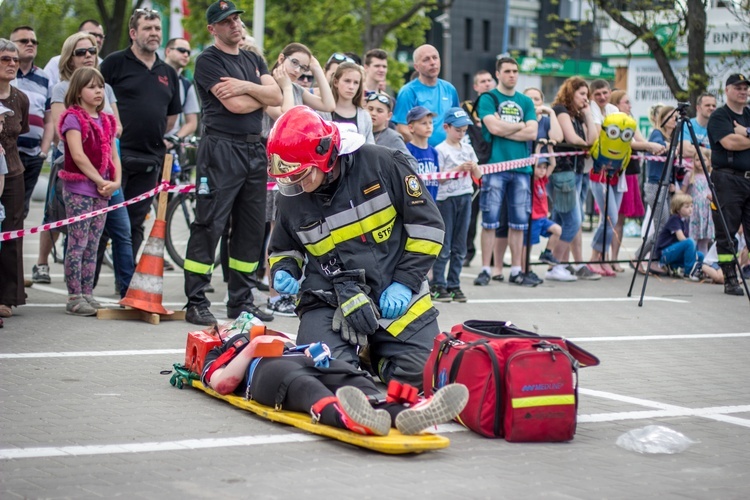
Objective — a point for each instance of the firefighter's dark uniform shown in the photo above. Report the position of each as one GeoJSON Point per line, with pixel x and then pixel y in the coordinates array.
{"type": "Point", "coordinates": [381, 219]}
{"type": "Point", "coordinates": [233, 159]}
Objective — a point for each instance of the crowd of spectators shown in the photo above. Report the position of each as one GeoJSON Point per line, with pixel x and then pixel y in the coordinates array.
{"type": "Point", "coordinates": [154, 105]}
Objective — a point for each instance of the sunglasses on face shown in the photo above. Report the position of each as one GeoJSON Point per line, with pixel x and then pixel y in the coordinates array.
{"type": "Point", "coordinates": [148, 14]}
{"type": "Point", "coordinates": [384, 98]}
{"type": "Point", "coordinates": [307, 78]}
{"type": "Point", "coordinates": [299, 65]}
{"type": "Point", "coordinates": [339, 57]}
{"type": "Point", "coordinates": [26, 41]}
{"type": "Point", "coordinates": [8, 59]}
{"type": "Point", "coordinates": [83, 52]}
{"type": "Point", "coordinates": [182, 50]}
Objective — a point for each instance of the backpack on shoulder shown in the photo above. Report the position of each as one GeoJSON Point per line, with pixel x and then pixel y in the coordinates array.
{"type": "Point", "coordinates": [482, 148]}
{"type": "Point", "coordinates": [522, 386]}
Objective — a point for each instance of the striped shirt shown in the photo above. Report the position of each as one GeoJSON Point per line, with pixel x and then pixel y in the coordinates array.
{"type": "Point", "coordinates": [36, 85]}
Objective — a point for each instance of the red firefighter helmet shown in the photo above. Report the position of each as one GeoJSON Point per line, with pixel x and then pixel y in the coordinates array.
{"type": "Point", "coordinates": [299, 141]}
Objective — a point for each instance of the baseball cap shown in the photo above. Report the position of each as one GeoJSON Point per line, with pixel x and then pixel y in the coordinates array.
{"type": "Point", "coordinates": [417, 113]}
{"type": "Point", "coordinates": [4, 110]}
{"type": "Point", "coordinates": [457, 117]}
{"type": "Point", "coordinates": [736, 78]}
{"type": "Point", "coordinates": [218, 11]}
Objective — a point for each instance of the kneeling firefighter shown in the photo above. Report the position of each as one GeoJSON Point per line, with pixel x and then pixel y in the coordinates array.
{"type": "Point", "coordinates": [357, 220]}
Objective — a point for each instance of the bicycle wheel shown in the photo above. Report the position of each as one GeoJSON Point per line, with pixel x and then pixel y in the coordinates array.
{"type": "Point", "coordinates": [180, 214]}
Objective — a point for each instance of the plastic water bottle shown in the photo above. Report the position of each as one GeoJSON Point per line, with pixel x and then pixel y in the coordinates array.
{"type": "Point", "coordinates": [203, 186]}
{"type": "Point", "coordinates": [176, 169]}
{"type": "Point", "coordinates": [245, 322]}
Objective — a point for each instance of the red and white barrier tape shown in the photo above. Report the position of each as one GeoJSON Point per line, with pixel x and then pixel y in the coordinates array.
{"type": "Point", "coordinates": [490, 168]}
{"type": "Point", "coordinates": [10, 235]}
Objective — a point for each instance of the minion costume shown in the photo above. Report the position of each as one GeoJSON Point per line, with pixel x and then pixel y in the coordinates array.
{"type": "Point", "coordinates": [364, 239]}
{"type": "Point", "coordinates": [611, 150]}
{"type": "Point", "coordinates": [611, 154]}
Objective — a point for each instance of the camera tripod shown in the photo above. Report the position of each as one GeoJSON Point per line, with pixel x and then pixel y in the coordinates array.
{"type": "Point", "coordinates": [675, 152]}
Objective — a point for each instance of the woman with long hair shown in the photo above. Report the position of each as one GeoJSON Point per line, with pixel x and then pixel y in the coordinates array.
{"type": "Point", "coordinates": [348, 84]}
{"type": "Point", "coordinates": [569, 186]}
{"type": "Point", "coordinates": [294, 61]}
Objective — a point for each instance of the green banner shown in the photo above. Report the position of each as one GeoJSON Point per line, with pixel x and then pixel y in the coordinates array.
{"type": "Point", "coordinates": [569, 67]}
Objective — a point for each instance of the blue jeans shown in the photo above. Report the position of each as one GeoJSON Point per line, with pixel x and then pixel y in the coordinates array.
{"type": "Point", "coordinates": [682, 254]}
{"type": "Point", "coordinates": [509, 188]}
{"type": "Point", "coordinates": [456, 212]}
{"type": "Point", "coordinates": [599, 190]}
{"type": "Point", "coordinates": [118, 229]}
{"type": "Point", "coordinates": [582, 186]}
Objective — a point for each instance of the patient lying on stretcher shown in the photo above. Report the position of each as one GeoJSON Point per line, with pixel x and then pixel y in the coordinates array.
{"type": "Point", "coordinates": [305, 379]}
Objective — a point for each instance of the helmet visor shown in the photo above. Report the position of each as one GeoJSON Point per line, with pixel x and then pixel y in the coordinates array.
{"type": "Point", "coordinates": [288, 176]}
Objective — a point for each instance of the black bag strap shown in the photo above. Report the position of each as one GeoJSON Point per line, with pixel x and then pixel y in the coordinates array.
{"type": "Point", "coordinates": [503, 329]}
{"type": "Point", "coordinates": [313, 371]}
{"type": "Point", "coordinates": [441, 349]}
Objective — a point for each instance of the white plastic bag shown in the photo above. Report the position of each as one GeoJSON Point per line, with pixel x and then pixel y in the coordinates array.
{"type": "Point", "coordinates": [655, 439]}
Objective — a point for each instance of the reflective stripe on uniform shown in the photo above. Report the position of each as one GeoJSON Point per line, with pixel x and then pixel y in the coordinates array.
{"type": "Point", "coordinates": [424, 239]}
{"type": "Point", "coordinates": [276, 257]}
{"type": "Point", "coordinates": [243, 267]}
{"type": "Point", "coordinates": [197, 267]}
{"type": "Point", "coordinates": [354, 303]}
{"type": "Point", "coordinates": [725, 257]}
{"type": "Point", "coordinates": [349, 224]}
{"type": "Point", "coordinates": [421, 232]}
{"type": "Point", "coordinates": [426, 247]}
{"type": "Point", "coordinates": [533, 401]}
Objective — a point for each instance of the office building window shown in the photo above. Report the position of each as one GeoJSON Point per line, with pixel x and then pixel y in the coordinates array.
{"type": "Point", "coordinates": [468, 33]}
{"type": "Point", "coordinates": [521, 32]}
{"type": "Point", "coordinates": [486, 35]}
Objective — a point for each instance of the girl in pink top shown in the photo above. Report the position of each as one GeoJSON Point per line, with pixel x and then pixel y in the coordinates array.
{"type": "Point", "coordinates": [91, 174]}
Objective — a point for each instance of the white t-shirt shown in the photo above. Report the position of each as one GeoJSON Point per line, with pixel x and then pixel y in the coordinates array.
{"type": "Point", "coordinates": [596, 113]}
{"type": "Point", "coordinates": [450, 157]}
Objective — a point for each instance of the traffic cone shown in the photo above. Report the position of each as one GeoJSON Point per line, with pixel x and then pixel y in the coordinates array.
{"type": "Point", "coordinates": [146, 286]}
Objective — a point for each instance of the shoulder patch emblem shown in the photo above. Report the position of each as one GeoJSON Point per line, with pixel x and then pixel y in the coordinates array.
{"type": "Point", "coordinates": [413, 188]}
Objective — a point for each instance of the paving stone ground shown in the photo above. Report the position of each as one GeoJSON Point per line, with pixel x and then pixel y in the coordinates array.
{"type": "Point", "coordinates": [671, 355]}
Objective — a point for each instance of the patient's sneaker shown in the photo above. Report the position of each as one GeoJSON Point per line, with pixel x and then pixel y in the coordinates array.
{"type": "Point", "coordinates": [358, 415]}
{"type": "Point", "coordinates": [443, 406]}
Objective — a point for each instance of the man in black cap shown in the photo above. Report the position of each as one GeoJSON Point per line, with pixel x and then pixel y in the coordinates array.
{"type": "Point", "coordinates": [234, 86]}
{"type": "Point", "coordinates": [729, 135]}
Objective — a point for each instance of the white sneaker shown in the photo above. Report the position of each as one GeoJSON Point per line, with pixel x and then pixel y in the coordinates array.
{"type": "Point", "coordinates": [559, 273]}
{"type": "Point", "coordinates": [445, 405]}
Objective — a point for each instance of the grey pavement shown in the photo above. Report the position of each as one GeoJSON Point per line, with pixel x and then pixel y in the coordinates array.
{"type": "Point", "coordinates": [79, 418]}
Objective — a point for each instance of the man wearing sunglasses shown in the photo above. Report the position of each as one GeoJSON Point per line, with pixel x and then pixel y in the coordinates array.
{"type": "Point", "coordinates": [35, 83]}
{"type": "Point", "coordinates": [89, 26]}
{"type": "Point", "coordinates": [148, 98]}
{"type": "Point", "coordinates": [177, 55]}
{"type": "Point", "coordinates": [234, 86]}
{"type": "Point", "coordinates": [366, 232]}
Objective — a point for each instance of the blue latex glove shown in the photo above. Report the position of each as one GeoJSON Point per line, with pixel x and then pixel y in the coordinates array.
{"type": "Point", "coordinates": [283, 282]}
{"type": "Point", "coordinates": [394, 299]}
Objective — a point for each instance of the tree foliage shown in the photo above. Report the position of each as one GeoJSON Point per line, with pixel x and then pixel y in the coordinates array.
{"type": "Point", "coordinates": [333, 26]}
{"type": "Point", "coordinates": [652, 22]}
{"type": "Point", "coordinates": [55, 20]}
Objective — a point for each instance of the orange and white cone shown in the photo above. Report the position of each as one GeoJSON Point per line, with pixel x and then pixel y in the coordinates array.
{"type": "Point", "coordinates": [145, 291]}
